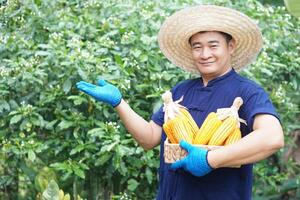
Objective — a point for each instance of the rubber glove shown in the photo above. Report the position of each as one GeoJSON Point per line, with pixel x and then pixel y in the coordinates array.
{"type": "Point", "coordinates": [104, 92]}
{"type": "Point", "coordinates": [195, 162]}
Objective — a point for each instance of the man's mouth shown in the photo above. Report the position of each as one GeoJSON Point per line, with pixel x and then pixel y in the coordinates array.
{"type": "Point", "coordinates": [206, 63]}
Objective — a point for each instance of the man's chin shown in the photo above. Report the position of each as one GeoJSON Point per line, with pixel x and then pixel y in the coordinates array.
{"type": "Point", "coordinates": [206, 70]}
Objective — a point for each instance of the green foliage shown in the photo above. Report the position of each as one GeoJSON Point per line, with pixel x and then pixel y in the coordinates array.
{"type": "Point", "coordinates": [47, 125]}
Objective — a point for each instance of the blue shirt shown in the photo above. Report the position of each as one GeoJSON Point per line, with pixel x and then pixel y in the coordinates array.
{"type": "Point", "coordinates": [221, 183]}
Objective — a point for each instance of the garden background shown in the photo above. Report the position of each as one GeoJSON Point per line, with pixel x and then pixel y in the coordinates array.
{"type": "Point", "coordinates": [50, 130]}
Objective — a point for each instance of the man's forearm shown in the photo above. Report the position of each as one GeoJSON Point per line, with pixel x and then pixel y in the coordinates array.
{"type": "Point", "coordinates": [252, 148]}
{"type": "Point", "coordinates": [139, 128]}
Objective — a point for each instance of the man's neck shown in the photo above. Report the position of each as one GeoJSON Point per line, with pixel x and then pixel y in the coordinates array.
{"type": "Point", "coordinates": [208, 77]}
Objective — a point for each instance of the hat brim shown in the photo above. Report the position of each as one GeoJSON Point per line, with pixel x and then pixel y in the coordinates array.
{"type": "Point", "coordinates": [174, 34]}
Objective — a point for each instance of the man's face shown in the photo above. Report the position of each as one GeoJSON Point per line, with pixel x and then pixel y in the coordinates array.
{"type": "Point", "coordinates": [211, 53]}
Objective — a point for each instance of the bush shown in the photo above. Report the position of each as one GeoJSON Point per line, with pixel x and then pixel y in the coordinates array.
{"type": "Point", "coordinates": [47, 46]}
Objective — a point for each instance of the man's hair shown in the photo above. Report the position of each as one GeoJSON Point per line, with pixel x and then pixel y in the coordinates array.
{"type": "Point", "coordinates": [227, 36]}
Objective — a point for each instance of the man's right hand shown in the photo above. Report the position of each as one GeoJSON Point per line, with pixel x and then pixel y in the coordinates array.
{"type": "Point", "coordinates": [104, 92]}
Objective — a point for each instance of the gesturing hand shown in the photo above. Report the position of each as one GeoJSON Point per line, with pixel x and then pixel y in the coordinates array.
{"type": "Point", "coordinates": [104, 92]}
{"type": "Point", "coordinates": [195, 162]}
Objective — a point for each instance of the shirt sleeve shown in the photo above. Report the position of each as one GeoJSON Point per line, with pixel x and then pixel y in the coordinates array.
{"type": "Point", "coordinates": [158, 116]}
{"type": "Point", "coordinates": [258, 103]}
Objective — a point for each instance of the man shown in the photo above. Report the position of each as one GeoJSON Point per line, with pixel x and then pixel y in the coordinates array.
{"type": "Point", "coordinates": [214, 42]}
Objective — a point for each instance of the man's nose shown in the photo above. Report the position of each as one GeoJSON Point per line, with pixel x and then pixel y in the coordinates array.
{"type": "Point", "coordinates": [205, 53]}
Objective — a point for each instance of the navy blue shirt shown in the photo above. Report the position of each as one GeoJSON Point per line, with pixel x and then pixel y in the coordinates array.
{"type": "Point", "coordinates": [221, 183]}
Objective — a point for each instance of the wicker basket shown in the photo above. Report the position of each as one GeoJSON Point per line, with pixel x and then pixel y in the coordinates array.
{"type": "Point", "coordinates": [173, 152]}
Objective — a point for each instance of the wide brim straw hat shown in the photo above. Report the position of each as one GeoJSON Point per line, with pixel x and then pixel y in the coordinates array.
{"type": "Point", "coordinates": [175, 32]}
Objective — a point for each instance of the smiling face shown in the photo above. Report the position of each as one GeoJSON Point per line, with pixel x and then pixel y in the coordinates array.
{"type": "Point", "coordinates": [211, 53]}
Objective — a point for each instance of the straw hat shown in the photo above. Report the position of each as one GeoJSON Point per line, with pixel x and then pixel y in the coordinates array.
{"type": "Point", "coordinates": [173, 37]}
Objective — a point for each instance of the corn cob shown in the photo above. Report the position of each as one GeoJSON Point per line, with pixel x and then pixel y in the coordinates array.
{"type": "Point", "coordinates": [179, 124]}
{"type": "Point", "coordinates": [231, 122]}
{"type": "Point", "coordinates": [169, 133]}
{"type": "Point", "coordinates": [227, 127]}
{"type": "Point", "coordinates": [192, 127]}
{"type": "Point", "coordinates": [180, 130]}
{"type": "Point", "coordinates": [233, 137]}
{"type": "Point", "coordinates": [208, 128]}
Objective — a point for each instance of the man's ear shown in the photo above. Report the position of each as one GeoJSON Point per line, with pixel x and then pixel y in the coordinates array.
{"type": "Point", "coordinates": [231, 46]}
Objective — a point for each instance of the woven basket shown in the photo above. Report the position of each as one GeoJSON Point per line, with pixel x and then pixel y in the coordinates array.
{"type": "Point", "coordinates": [173, 152]}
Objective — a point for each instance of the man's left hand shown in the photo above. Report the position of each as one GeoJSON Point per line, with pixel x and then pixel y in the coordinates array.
{"type": "Point", "coordinates": [195, 162]}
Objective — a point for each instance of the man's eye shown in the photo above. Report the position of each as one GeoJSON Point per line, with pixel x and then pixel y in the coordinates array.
{"type": "Point", "coordinates": [197, 47]}
{"type": "Point", "coordinates": [214, 46]}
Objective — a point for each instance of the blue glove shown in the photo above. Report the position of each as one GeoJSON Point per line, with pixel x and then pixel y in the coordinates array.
{"type": "Point", "coordinates": [105, 92]}
{"type": "Point", "coordinates": [195, 162]}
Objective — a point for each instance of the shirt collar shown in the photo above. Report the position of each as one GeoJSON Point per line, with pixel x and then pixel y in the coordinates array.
{"type": "Point", "coordinates": [219, 79]}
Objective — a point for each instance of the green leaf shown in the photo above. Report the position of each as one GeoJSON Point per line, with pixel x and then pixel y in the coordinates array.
{"type": "Point", "coordinates": [61, 166]}
{"type": "Point", "coordinates": [266, 71]}
{"type": "Point", "coordinates": [4, 106]}
{"type": "Point", "coordinates": [42, 53]}
{"type": "Point", "coordinates": [79, 148]}
{"type": "Point", "coordinates": [82, 74]}
{"type": "Point", "coordinates": [31, 155]}
{"type": "Point", "coordinates": [78, 100]}
{"type": "Point", "coordinates": [64, 125]}
{"type": "Point", "coordinates": [25, 123]}
{"type": "Point", "coordinates": [136, 53]}
{"type": "Point", "coordinates": [96, 132]}
{"type": "Point", "coordinates": [132, 184]}
{"type": "Point", "coordinates": [44, 46]}
{"type": "Point", "coordinates": [118, 60]}
{"type": "Point", "coordinates": [37, 121]}
{"type": "Point", "coordinates": [79, 173]}
{"type": "Point", "coordinates": [149, 175]}
{"type": "Point", "coordinates": [67, 86]}
{"type": "Point", "coordinates": [103, 159]}
{"type": "Point", "coordinates": [66, 63]}
{"type": "Point", "coordinates": [49, 126]}
{"type": "Point", "coordinates": [15, 119]}
{"type": "Point", "coordinates": [123, 169]}
{"type": "Point", "coordinates": [13, 113]}
{"type": "Point", "coordinates": [109, 147]}
{"type": "Point", "coordinates": [144, 58]}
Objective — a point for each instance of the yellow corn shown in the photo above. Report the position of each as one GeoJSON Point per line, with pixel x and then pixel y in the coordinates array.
{"type": "Point", "coordinates": [234, 136]}
{"type": "Point", "coordinates": [179, 124]}
{"type": "Point", "coordinates": [192, 127]}
{"type": "Point", "coordinates": [208, 128]}
{"type": "Point", "coordinates": [182, 127]}
{"type": "Point", "coordinates": [169, 133]}
{"type": "Point", "coordinates": [180, 130]}
{"type": "Point", "coordinates": [221, 134]}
